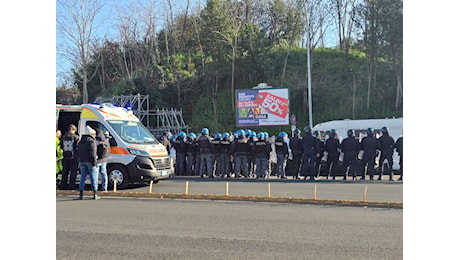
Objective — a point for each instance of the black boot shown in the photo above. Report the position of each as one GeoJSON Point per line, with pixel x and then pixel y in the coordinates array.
{"type": "Point", "coordinates": [95, 196]}
{"type": "Point", "coordinates": [81, 195]}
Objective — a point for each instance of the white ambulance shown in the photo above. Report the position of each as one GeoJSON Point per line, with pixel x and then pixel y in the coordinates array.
{"type": "Point", "coordinates": [136, 156]}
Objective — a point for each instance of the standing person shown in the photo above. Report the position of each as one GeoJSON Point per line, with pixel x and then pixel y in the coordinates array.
{"type": "Point", "coordinates": [87, 157]}
{"type": "Point", "coordinates": [282, 151]}
{"type": "Point", "coordinates": [179, 145]}
{"type": "Point", "coordinates": [59, 157]}
{"type": "Point", "coordinates": [369, 145]}
{"type": "Point", "coordinates": [386, 145]}
{"type": "Point", "coordinates": [190, 149]}
{"type": "Point", "coordinates": [399, 149]}
{"type": "Point", "coordinates": [225, 149]}
{"type": "Point", "coordinates": [103, 151]}
{"type": "Point", "coordinates": [240, 151]}
{"type": "Point", "coordinates": [332, 146]}
{"type": "Point", "coordinates": [69, 144]}
{"type": "Point", "coordinates": [165, 141]}
{"type": "Point", "coordinates": [350, 149]}
{"type": "Point", "coordinates": [296, 147]}
{"type": "Point", "coordinates": [320, 154]}
{"type": "Point", "coordinates": [251, 165]}
{"type": "Point", "coordinates": [310, 151]}
{"type": "Point", "coordinates": [260, 150]}
{"type": "Point", "coordinates": [216, 142]}
{"type": "Point", "coordinates": [206, 151]}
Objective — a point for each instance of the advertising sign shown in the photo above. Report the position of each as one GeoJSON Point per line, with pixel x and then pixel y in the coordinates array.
{"type": "Point", "coordinates": [262, 107]}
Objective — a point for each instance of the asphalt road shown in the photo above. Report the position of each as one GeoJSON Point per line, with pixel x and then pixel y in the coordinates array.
{"type": "Point", "coordinates": [377, 191]}
{"type": "Point", "coordinates": [130, 228]}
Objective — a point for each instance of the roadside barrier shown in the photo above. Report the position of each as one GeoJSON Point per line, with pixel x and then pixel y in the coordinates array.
{"type": "Point", "coordinates": [227, 196]}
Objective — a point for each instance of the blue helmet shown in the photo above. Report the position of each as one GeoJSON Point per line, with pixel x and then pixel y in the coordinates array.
{"type": "Point", "coordinates": [172, 138]}
{"type": "Point", "coordinates": [282, 134]}
{"type": "Point", "coordinates": [265, 134]}
{"type": "Point", "coordinates": [226, 135]}
{"type": "Point", "coordinates": [252, 134]}
{"type": "Point", "coordinates": [205, 131]}
{"type": "Point", "coordinates": [182, 134]}
{"type": "Point", "coordinates": [241, 133]}
{"type": "Point", "coordinates": [260, 135]}
{"type": "Point", "coordinates": [192, 135]}
{"type": "Point", "coordinates": [218, 135]}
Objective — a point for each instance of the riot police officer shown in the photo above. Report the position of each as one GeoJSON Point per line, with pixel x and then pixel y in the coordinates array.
{"type": "Point", "coordinates": [386, 145]}
{"type": "Point", "coordinates": [216, 156]}
{"type": "Point", "coordinates": [296, 147]}
{"type": "Point", "coordinates": [282, 151]}
{"type": "Point", "coordinates": [310, 151]}
{"type": "Point", "coordinates": [332, 146]}
{"type": "Point", "coordinates": [369, 145]}
{"type": "Point", "coordinates": [190, 149]}
{"type": "Point", "coordinates": [225, 149]}
{"type": "Point", "coordinates": [240, 151]}
{"type": "Point", "coordinates": [206, 152]}
{"type": "Point", "coordinates": [320, 154]}
{"type": "Point", "coordinates": [179, 145]}
{"type": "Point", "coordinates": [261, 149]}
{"type": "Point", "coordinates": [350, 149]}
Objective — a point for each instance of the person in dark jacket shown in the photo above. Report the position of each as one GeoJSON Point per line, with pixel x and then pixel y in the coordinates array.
{"type": "Point", "coordinates": [103, 151]}
{"type": "Point", "coordinates": [87, 157]}
{"type": "Point", "coordinates": [240, 151]}
{"type": "Point", "coordinates": [206, 153]}
{"type": "Point", "coordinates": [296, 147]}
{"type": "Point", "coordinates": [332, 146]}
{"type": "Point", "coordinates": [369, 145]}
{"type": "Point", "coordinates": [386, 145]}
{"type": "Point", "coordinates": [225, 149]}
{"type": "Point", "coordinates": [399, 149]}
{"type": "Point", "coordinates": [190, 149]}
{"type": "Point", "coordinates": [320, 154]}
{"type": "Point", "coordinates": [350, 149]}
{"type": "Point", "coordinates": [260, 150]}
{"type": "Point", "coordinates": [310, 151]}
{"type": "Point", "coordinates": [282, 152]}
{"type": "Point", "coordinates": [69, 145]}
{"type": "Point", "coordinates": [179, 145]}
{"type": "Point", "coordinates": [217, 154]}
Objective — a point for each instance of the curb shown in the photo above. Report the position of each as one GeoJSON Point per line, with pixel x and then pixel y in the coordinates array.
{"type": "Point", "coordinates": [351, 203]}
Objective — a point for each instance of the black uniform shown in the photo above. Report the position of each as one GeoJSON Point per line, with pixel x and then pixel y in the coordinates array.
{"type": "Point", "coordinates": [350, 149]}
{"type": "Point", "coordinates": [190, 149]}
{"type": "Point", "coordinates": [297, 149]}
{"type": "Point", "coordinates": [369, 145]}
{"type": "Point", "coordinates": [225, 150]}
{"type": "Point", "coordinates": [216, 156]}
{"type": "Point", "coordinates": [310, 150]}
{"type": "Point", "coordinates": [179, 146]}
{"type": "Point", "coordinates": [319, 156]}
{"type": "Point", "coordinates": [240, 151]}
{"type": "Point", "coordinates": [261, 151]}
{"type": "Point", "coordinates": [399, 149]}
{"type": "Point", "coordinates": [332, 146]}
{"type": "Point", "coordinates": [282, 151]}
{"type": "Point", "coordinates": [206, 153]}
{"type": "Point", "coordinates": [386, 145]}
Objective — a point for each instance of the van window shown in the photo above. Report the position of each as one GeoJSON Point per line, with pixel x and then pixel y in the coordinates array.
{"type": "Point", "coordinates": [133, 132]}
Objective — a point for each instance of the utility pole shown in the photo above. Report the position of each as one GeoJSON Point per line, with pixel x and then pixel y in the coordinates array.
{"type": "Point", "coordinates": [310, 114]}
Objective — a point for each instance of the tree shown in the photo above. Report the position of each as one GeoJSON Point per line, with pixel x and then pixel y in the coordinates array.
{"type": "Point", "coordinates": [76, 22]}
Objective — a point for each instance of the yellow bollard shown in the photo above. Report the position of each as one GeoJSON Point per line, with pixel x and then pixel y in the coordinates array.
{"type": "Point", "coordinates": [151, 184]}
{"type": "Point", "coordinates": [314, 195]}
{"type": "Point", "coordinates": [186, 188]}
{"type": "Point", "coordinates": [269, 191]}
{"type": "Point", "coordinates": [115, 185]}
{"type": "Point", "coordinates": [365, 194]}
{"type": "Point", "coordinates": [226, 190]}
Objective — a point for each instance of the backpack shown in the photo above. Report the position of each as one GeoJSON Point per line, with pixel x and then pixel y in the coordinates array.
{"type": "Point", "coordinates": [103, 149]}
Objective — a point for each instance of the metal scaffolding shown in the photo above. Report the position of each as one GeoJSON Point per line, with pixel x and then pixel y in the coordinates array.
{"type": "Point", "coordinates": [166, 119]}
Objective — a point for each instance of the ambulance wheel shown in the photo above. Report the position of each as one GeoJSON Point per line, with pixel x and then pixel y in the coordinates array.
{"type": "Point", "coordinates": [119, 173]}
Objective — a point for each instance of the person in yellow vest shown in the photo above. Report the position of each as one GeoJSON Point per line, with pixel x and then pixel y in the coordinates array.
{"type": "Point", "coordinates": [59, 157]}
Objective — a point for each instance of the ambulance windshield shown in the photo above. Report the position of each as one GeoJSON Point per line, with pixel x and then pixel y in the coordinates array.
{"type": "Point", "coordinates": [133, 132]}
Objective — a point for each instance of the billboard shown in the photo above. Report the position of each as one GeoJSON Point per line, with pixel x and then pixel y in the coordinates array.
{"type": "Point", "coordinates": [262, 107]}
